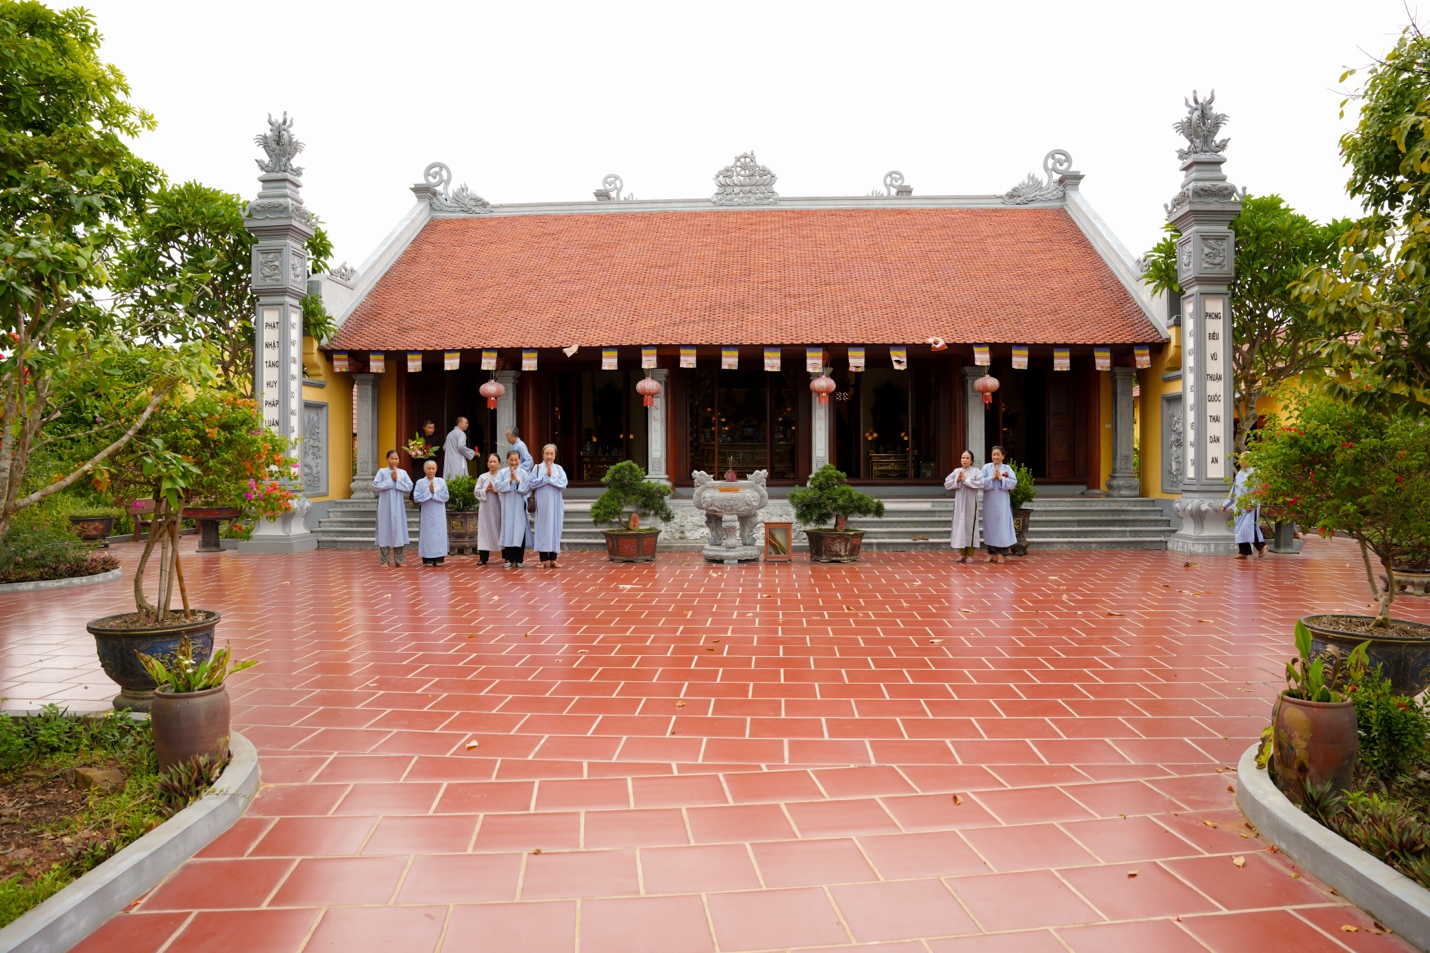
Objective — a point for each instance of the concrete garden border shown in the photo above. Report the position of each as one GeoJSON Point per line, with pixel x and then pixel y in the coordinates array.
{"type": "Point", "coordinates": [1382, 891]}
{"type": "Point", "coordinates": [107, 576]}
{"type": "Point", "coordinates": [78, 910]}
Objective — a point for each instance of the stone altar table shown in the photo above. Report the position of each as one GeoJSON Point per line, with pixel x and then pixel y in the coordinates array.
{"type": "Point", "coordinates": [732, 509]}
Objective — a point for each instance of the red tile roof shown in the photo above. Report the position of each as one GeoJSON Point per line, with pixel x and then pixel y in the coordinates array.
{"type": "Point", "coordinates": [761, 277]}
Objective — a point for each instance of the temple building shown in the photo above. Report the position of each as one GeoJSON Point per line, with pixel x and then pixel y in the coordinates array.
{"type": "Point", "coordinates": [733, 304]}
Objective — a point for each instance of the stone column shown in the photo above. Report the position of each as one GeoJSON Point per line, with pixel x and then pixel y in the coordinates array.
{"type": "Point", "coordinates": [974, 436]}
{"type": "Point", "coordinates": [820, 419]}
{"type": "Point", "coordinates": [1123, 481]}
{"type": "Point", "coordinates": [281, 226]}
{"type": "Point", "coordinates": [366, 423]}
{"type": "Point", "coordinates": [657, 455]}
{"type": "Point", "coordinates": [1206, 264]}
{"type": "Point", "coordinates": [506, 411]}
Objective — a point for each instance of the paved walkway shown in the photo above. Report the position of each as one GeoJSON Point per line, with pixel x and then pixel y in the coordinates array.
{"type": "Point", "coordinates": [903, 755]}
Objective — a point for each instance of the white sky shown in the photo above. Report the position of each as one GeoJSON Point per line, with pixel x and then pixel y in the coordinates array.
{"type": "Point", "coordinates": [536, 101]}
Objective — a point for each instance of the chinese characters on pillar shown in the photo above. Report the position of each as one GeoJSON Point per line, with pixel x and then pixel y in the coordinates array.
{"type": "Point", "coordinates": [1192, 383]}
{"type": "Point", "coordinates": [271, 380]}
{"type": "Point", "coordinates": [1214, 341]}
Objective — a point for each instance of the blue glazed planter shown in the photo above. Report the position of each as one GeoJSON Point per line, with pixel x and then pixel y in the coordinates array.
{"type": "Point", "coordinates": [1406, 662]}
{"type": "Point", "coordinates": [118, 652]}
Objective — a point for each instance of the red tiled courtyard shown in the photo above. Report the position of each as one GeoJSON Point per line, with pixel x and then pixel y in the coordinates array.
{"type": "Point", "coordinates": [903, 755]}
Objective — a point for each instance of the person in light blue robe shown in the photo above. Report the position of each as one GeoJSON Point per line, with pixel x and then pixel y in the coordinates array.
{"type": "Point", "coordinates": [1248, 512]}
{"type": "Point", "coordinates": [489, 511]}
{"type": "Point", "coordinates": [513, 437]}
{"type": "Point", "coordinates": [513, 487]}
{"type": "Point", "coordinates": [548, 480]}
{"type": "Point", "coordinates": [431, 495]}
{"type": "Point", "coordinates": [392, 484]}
{"type": "Point", "coordinates": [998, 534]}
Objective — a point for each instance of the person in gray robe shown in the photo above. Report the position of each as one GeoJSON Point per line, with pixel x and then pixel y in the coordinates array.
{"type": "Point", "coordinates": [392, 485]}
{"type": "Point", "coordinates": [431, 495]}
{"type": "Point", "coordinates": [998, 533]}
{"type": "Point", "coordinates": [513, 437]}
{"type": "Point", "coordinates": [455, 453]}
{"type": "Point", "coordinates": [489, 510]}
{"type": "Point", "coordinates": [1248, 512]}
{"type": "Point", "coordinates": [548, 480]}
{"type": "Point", "coordinates": [965, 482]}
{"type": "Point", "coordinates": [513, 487]}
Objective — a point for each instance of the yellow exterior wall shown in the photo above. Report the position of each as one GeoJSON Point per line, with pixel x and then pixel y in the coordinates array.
{"type": "Point", "coordinates": [386, 412]}
{"type": "Point", "coordinates": [1104, 428]}
{"type": "Point", "coordinates": [1149, 421]}
{"type": "Point", "coordinates": [337, 394]}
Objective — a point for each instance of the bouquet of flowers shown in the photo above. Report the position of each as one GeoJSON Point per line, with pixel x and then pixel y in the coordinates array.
{"type": "Point", "coordinates": [418, 447]}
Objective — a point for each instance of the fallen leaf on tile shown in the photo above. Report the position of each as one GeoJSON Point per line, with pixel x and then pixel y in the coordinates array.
{"type": "Point", "coordinates": [1110, 612]}
{"type": "Point", "coordinates": [1245, 836]}
{"type": "Point", "coordinates": [471, 745]}
{"type": "Point", "coordinates": [680, 704]}
{"type": "Point", "coordinates": [526, 635]}
{"type": "Point", "coordinates": [1132, 873]}
{"type": "Point", "coordinates": [1220, 770]}
{"type": "Point", "coordinates": [583, 651]}
{"type": "Point", "coordinates": [1381, 926]}
{"type": "Point", "coordinates": [1208, 621]}
{"type": "Point", "coordinates": [1190, 565]}
{"type": "Point", "coordinates": [1347, 928]}
{"type": "Point", "coordinates": [1333, 890]}
{"type": "Point", "coordinates": [472, 636]}
{"type": "Point", "coordinates": [537, 851]}
{"type": "Point", "coordinates": [935, 641]}
{"type": "Point", "coordinates": [1272, 849]}
{"type": "Point", "coordinates": [1230, 788]}
{"type": "Point", "coordinates": [1178, 919]}
{"type": "Point", "coordinates": [1123, 816]}
{"type": "Point", "coordinates": [1210, 823]}
{"type": "Point", "coordinates": [624, 586]}
{"type": "Point", "coordinates": [709, 650]}
{"type": "Point", "coordinates": [965, 610]}
{"type": "Point", "coordinates": [1295, 876]}
{"type": "Point", "coordinates": [687, 613]}
{"type": "Point", "coordinates": [957, 801]}
{"type": "Point", "coordinates": [766, 595]}
{"type": "Point", "coordinates": [849, 609]}
{"type": "Point", "coordinates": [1238, 861]}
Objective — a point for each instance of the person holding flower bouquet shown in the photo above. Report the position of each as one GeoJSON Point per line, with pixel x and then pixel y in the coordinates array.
{"type": "Point", "coordinates": [424, 446]}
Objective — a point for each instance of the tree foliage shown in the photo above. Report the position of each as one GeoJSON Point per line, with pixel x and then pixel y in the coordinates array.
{"type": "Point", "coordinates": [1274, 339]}
{"type": "Point", "coordinates": [628, 489]}
{"type": "Point", "coordinates": [186, 276]}
{"type": "Point", "coordinates": [828, 496]}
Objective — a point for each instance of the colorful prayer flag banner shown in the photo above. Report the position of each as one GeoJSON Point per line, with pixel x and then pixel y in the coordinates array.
{"type": "Point", "coordinates": [489, 360]}
{"type": "Point", "coordinates": [376, 362]}
{"type": "Point", "coordinates": [414, 361]}
{"type": "Point", "coordinates": [1143, 355]}
{"type": "Point", "coordinates": [528, 359]}
{"type": "Point", "coordinates": [1061, 359]}
{"type": "Point", "coordinates": [1020, 357]}
{"type": "Point", "coordinates": [772, 358]}
{"type": "Point", "coordinates": [647, 357]}
{"type": "Point", "coordinates": [1136, 390]}
{"type": "Point", "coordinates": [608, 359]}
{"type": "Point", "coordinates": [451, 360]}
{"type": "Point", "coordinates": [687, 357]}
{"type": "Point", "coordinates": [1103, 358]}
{"type": "Point", "coordinates": [856, 359]}
{"type": "Point", "coordinates": [730, 358]}
{"type": "Point", "coordinates": [340, 362]}
{"type": "Point", "coordinates": [900, 356]}
{"type": "Point", "coordinates": [980, 355]}
{"type": "Point", "coordinates": [814, 359]}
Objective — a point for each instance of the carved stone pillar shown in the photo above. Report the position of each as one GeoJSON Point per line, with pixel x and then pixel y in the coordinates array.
{"type": "Point", "coordinates": [1122, 481]}
{"type": "Point", "coordinates": [974, 437]}
{"type": "Point", "coordinates": [821, 417]}
{"type": "Point", "coordinates": [657, 454]}
{"type": "Point", "coordinates": [366, 424]}
{"type": "Point", "coordinates": [506, 412]}
{"type": "Point", "coordinates": [1206, 265]}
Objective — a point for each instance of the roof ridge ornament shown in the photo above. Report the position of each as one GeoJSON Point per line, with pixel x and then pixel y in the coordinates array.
{"type": "Point", "coordinates": [1030, 190]}
{"type": "Point", "coordinates": [610, 190]}
{"type": "Point", "coordinates": [1200, 127]}
{"type": "Point", "coordinates": [280, 145]}
{"type": "Point", "coordinates": [745, 182]}
{"type": "Point", "coordinates": [436, 188]}
{"type": "Point", "coordinates": [345, 273]}
{"type": "Point", "coordinates": [893, 186]}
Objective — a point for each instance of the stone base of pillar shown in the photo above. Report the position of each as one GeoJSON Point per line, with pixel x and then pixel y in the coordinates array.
{"type": "Point", "coordinates": [1284, 541]}
{"type": "Point", "coordinates": [1124, 486]}
{"type": "Point", "coordinates": [362, 489]}
{"type": "Point", "coordinates": [1204, 529]}
{"type": "Point", "coordinates": [287, 534]}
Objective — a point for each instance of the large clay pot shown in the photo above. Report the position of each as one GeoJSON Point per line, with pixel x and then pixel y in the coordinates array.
{"type": "Point", "coordinates": [1313, 743]}
{"type": "Point", "coordinates": [630, 545]}
{"type": "Point", "coordinates": [1020, 529]}
{"type": "Point", "coordinates": [1406, 662]}
{"type": "Point", "coordinates": [92, 528]}
{"type": "Point", "coordinates": [832, 546]}
{"type": "Point", "coordinates": [461, 531]}
{"type": "Point", "coordinates": [190, 724]}
{"type": "Point", "coordinates": [117, 650]}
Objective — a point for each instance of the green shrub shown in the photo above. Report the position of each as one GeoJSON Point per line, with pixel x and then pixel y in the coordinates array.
{"type": "Point", "coordinates": [462, 493]}
{"type": "Point", "coordinates": [1389, 828]}
{"type": "Point", "coordinates": [828, 496]}
{"type": "Point", "coordinates": [628, 489]}
{"type": "Point", "coordinates": [33, 550]}
{"type": "Point", "coordinates": [1027, 488]}
{"type": "Point", "coordinates": [1394, 729]}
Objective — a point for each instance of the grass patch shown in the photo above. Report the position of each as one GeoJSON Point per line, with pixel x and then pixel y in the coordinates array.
{"type": "Point", "coordinates": [52, 829]}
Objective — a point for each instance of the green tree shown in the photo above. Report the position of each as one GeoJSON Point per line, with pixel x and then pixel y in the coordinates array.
{"type": "Point", "coordinates": [1372, 307]}
{"type": "Point", "coordinates": [186, 276]}
{"type": "Point", "coordinates": [1274, 339]}
{"type": "Point", "coordinates": [68, 185]}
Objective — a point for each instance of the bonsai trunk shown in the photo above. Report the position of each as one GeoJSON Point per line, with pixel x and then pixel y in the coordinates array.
{"type": "Point", "coordinates": [1383, 599]}
{"type": "Point", "coordinates": [164, 531]}
{"type": "Point", "coordinates": [841, 522]}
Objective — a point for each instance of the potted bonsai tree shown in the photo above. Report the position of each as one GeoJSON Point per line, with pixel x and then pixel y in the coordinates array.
{"type": "Point", "coordinates": [828, 496]}
{"type": "Point", "coordinates": [1019, 497]}
{"type": "Point", "coordinates": [1344, 469]}
{"type": "Point", "coordinates": [1314, 740]}
{"type": "Point", "coordinates": [191, 710]}
{"type": "Point", "coordinates": [462, 510]}
{"type": "Point", "coordinates": [205, 448]}
{"type": "Point", "coordinates": [618, 511]}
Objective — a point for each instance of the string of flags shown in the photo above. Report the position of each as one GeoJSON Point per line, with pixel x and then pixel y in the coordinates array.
{"type": "Point", "coordinates": [816, 358]}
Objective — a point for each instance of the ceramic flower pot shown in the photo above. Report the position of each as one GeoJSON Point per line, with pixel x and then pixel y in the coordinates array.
{"type": "Point", "coordinates": [1405, 661]}
{"type": "Point", "coordinates": [1313, 743]}
{"type": "Point", "coordinates": [118, 648]}
{"type": "Point", "coordinates": [833, 546]}
{"type": "Point", "coordinates": [630, 545]}
{"type": "Point", "coordinates": [92, 528]}
{"type": "Point", "coordinates": [190, 724]}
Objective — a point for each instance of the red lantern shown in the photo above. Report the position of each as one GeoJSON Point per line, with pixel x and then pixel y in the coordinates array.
{"type": "Point", "coordinates": [823, 386]}
{"type": "Point", "coordinates": [491, 390]}
{"type": "Point", "coordinates": [986, 385]}
{"type": "Point", "coordinates": [649, 388]}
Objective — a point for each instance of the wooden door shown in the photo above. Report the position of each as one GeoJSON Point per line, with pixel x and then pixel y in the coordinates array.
{"type": "Point", "coordinates": [1062, 428]}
